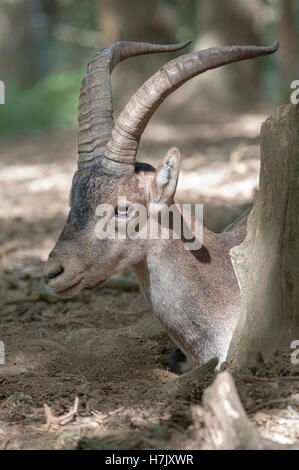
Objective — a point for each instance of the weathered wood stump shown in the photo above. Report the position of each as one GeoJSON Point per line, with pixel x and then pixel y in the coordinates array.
{"type": "Point", "coordinates": [224, 421]}
{"type": "Point", "coordinates": [267, 262]}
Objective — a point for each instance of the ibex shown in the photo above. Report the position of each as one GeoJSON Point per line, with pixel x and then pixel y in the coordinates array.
{"type": "Point", "coordinates": [195, 294]}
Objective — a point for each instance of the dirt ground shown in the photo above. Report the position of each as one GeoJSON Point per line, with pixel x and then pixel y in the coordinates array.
{"type": "Point", "coordinates": [105, 347]}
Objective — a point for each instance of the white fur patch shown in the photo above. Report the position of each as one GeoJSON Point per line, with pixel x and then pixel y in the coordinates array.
{"type": "Point", "coordinates": [163, 176]}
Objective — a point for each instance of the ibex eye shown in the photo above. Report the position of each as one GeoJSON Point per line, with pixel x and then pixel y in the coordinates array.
{"type": "Point", "coordinates": [122, 211]}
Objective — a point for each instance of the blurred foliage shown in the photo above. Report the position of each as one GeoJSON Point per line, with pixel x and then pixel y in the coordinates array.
{"type": "Point", "coordinates": [50, 103]}
{"type": "Point", "coordinates": [45, 45]}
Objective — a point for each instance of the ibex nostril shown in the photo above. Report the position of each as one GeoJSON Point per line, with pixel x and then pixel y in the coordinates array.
{"type": "Point", "coordinates": [53, 273]}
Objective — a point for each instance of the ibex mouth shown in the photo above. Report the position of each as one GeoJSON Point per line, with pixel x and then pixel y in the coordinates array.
{"type": "Point", "coordinates": [68, 291]}
{"type": "Point", "coordinates": [98, 284]}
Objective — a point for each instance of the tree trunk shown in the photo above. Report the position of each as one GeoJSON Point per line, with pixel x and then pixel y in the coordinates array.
{"type": "Point", "coordinates": [288, 54]}
{"type": "Point", "coordinates": [24, 39]}
{"type": "Point", "coordinates": [107, 21]}
{"type": "Point", "coordinates": [225, 23]}
{"type": "Point", "coordinates": [267, 262]}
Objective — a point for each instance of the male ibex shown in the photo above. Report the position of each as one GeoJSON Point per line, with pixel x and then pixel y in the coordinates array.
{"type": "Point", "coordinates": [195, 294]}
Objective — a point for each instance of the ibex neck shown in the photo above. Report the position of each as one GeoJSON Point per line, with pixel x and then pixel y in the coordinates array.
{"type": "Point", "coordinates": [194, 293]}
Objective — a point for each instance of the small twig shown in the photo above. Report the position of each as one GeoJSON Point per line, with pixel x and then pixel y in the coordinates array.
{"type": "Point", "coordinates": [266, 379]}
{"type": "Point", "coordinates": [50, 420]}
{"type": "Point", "coordinates": [70, 415]}
{"type": "Point", "coordinates": [276, 401]}
{"type": "Point", "coordinates": [195, 375]}
{"type": "Point", "coordinates": [197, 372]}
{"type": "Point", "coordinates": [178, 427]}
{"type": "Point", "coordinates": [238, 221]}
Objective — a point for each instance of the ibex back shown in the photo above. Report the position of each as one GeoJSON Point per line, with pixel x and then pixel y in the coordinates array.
{"type": "Point", "coordinates": [194, 293]}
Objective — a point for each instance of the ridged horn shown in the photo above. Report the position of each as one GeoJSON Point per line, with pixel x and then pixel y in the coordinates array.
{"type": "Point", "coordinates": [121, 150]}
{"type": "Point", "coordinates": [95, 113]}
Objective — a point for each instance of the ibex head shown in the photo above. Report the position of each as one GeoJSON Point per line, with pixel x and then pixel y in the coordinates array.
{"type": "Point", "coordinates": [107, 168]}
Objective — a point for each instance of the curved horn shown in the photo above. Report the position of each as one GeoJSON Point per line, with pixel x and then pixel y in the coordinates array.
{"type": "Point", "coordinates": [95, 113]}
{"type": "Point", "coordinates": [121, 149]}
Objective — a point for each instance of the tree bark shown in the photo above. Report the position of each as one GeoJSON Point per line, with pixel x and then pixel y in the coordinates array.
{"type": "Point", "coordinates": [267, 262]}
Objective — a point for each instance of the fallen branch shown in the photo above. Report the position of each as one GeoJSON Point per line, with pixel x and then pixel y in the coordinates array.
{"type": "Point", "coordinates": [226, 424]}
{"type": "Point", "coordinates": [53, 422]}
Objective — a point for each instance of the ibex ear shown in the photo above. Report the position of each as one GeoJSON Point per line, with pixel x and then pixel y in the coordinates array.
{"type": "Point", "coordinates": [166, 177]}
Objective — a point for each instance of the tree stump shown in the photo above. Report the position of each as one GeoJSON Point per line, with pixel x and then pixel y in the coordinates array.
{"type": "Point", "coordinates": [267, 262]}
{"type": "Point", "coordinates": [224, 421]}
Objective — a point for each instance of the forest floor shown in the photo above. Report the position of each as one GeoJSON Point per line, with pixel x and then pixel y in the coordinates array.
{"type": "Point", "coordinates": [105, 347]}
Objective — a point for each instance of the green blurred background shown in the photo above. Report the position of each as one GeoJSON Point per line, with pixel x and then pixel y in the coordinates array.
{"type": "Point", "coordinates": [46, 44]}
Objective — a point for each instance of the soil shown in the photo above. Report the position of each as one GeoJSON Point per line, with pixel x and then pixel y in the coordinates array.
{"type": "Point", "coordinates": [105, 346]}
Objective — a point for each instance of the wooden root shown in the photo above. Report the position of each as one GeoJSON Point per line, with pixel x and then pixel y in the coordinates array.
{"type": "Point", "coordinates": [226, 424]}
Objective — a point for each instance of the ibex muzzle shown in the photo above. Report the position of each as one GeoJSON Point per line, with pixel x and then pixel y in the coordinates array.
{"type": "Point", "coordinates": [195, 294]}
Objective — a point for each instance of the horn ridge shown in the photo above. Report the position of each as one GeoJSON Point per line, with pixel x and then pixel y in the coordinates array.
{"type": "Point", "coordinates": [95, 108]}
{"type": "Point", "coordinates": [137, 113]}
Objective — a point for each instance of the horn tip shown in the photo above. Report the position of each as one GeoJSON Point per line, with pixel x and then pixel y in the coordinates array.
{"type": "Point", "coordinates": [185, 43]}
{"type": "Point", "coordinates": [274, 47]}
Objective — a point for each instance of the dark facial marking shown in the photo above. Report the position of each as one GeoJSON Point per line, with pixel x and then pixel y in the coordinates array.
{"type": "Point", "coordinates": [90, 187]}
